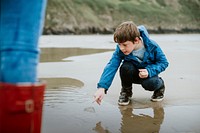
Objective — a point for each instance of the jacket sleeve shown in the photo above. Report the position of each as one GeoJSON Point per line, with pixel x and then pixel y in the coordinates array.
{"type": "Point", "coordinates": [160, 63]}
{"type": "Point", "coordinates": [110, 70]}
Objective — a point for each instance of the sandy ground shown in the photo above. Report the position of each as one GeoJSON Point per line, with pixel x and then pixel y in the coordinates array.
{"type": "Point", "coordinates": [72, 65]}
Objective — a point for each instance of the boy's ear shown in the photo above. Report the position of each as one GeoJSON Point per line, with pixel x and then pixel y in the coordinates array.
{"type": "Point", "coordinates": [137, 39]}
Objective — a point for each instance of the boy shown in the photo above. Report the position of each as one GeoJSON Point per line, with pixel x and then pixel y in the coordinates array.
{"type": "Point", "coordinates": [142, 60]}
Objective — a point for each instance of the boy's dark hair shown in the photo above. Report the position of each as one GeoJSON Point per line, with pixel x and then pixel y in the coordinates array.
{"type": "Point", "coordinates": [126, 31]}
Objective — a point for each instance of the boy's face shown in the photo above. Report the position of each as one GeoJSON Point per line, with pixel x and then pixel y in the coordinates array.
{"type": "Point", "coordinates": [127, 47]}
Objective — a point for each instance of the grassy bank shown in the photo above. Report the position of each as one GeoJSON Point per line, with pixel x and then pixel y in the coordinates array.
{"type": "Point", "coordinates": [102, 16]}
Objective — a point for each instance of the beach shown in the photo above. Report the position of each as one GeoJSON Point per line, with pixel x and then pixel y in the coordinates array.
{"type": "Point", "coordinates": [72, 65]}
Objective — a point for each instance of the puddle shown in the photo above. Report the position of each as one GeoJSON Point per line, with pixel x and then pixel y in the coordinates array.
{"type": "Point", "coordinates": [58, 54]}
{"type": "Point", "coordinates": [61, 90]}
{"type": "Point", "coordinates": [60, 83]}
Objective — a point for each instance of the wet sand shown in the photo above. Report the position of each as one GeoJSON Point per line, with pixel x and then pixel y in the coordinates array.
{"type": "Point", "coordinates": [72, 65]}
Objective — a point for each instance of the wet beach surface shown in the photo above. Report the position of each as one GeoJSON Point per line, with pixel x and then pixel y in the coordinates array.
{"type": "Point", "coordinates": [72, 66]}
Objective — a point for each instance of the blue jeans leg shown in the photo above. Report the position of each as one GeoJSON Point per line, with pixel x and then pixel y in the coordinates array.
{"type": "Point", "coordinates": [153, 83]}
{"type": "Point", "coordinates": [129, 74]}
{"type": "Point", "coordinates": [21, 26]}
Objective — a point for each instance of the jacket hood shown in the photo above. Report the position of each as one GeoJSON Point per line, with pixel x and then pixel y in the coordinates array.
{"type": "Point", "coordinates": [145, 36]}
{"type": "Point", "coordinates": [143, 31]}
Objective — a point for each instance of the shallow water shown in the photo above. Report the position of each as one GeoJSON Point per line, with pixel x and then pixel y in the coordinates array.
{"type": "Point", "coordinates": [72, 65]}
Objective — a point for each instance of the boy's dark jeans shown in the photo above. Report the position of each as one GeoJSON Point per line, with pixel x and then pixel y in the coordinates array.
{"type": "Point", "coordinates": [129, 74]}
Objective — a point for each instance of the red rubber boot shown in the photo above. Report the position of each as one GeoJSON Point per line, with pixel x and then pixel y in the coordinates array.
{"type": "Point", "coordinates": [21, 107]}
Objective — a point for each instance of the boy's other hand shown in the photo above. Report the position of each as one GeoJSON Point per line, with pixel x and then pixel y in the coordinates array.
{"type": "Point", "coordinates": [143, 73]}
{"type": "Point", "coordinates": [98, 96]}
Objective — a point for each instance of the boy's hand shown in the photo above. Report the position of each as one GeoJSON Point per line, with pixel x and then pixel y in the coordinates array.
{"type": "Point", "coordinates": [143, 73]}
{"type": "Point", "coordinates": [98, 96]}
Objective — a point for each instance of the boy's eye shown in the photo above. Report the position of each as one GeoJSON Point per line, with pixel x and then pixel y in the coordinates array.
{"type": "Point", "coordinates": [122, 44]}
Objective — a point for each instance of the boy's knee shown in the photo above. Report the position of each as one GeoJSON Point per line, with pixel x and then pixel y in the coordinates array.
{"type": "Point", "coordinates": [152, 84]}
{"type": "Point", "coordinates": [148, 87]}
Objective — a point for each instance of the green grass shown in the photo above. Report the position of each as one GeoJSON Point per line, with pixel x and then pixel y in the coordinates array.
{"type": "Point", "coordinates": [109, 13]}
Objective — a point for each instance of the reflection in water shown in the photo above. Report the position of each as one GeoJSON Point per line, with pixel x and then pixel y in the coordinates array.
{"type": "Point", "coordinates": [100, 129]}
{"type": "Point", "coordinates": [89, 109]}
{"type": "Point", "coordinates": [57, 54]}
{"type": "Point", "coordinates": [136, 120]}
{"type": "Point", "coordinates": [142, 123]}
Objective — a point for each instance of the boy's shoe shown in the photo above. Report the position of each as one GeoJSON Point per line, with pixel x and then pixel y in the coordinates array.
{"type": "Point", "coordinates": [123, 99]}
{"type": "Point", "coordinates": [125, 96]}
{"type": "Point", "coordinates": [158, 95]}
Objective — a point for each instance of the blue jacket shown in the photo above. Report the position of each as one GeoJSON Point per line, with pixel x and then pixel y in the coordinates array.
{"type": "Point", "coordinates": [154, 60]}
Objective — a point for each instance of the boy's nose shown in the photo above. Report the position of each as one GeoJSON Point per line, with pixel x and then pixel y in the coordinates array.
{"type": "Point", "coordinates": [123, 50]}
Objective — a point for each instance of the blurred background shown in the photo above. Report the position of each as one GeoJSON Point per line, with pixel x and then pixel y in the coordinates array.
{"type": "Point", "coordinates": [102, 16]}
